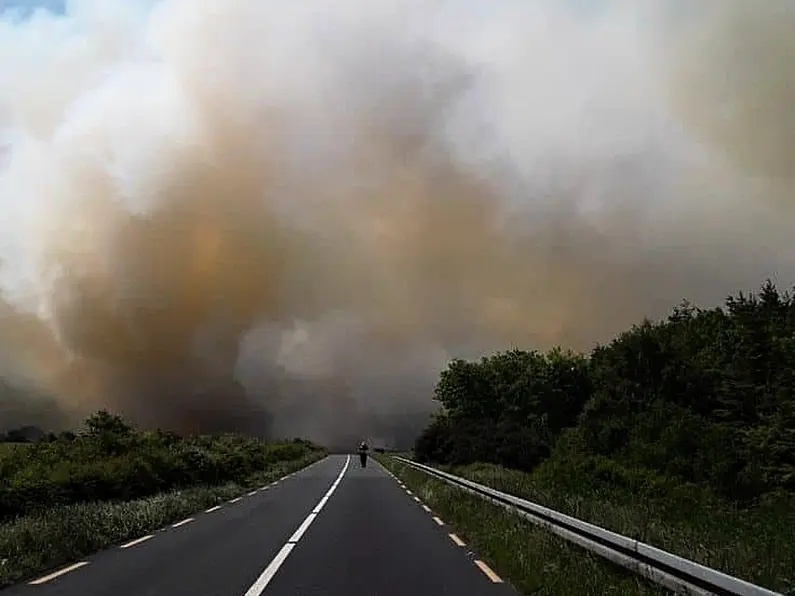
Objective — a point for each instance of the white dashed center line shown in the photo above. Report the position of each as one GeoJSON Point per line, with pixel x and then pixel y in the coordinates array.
{"type": "Point", "coordinates": [270, 571]}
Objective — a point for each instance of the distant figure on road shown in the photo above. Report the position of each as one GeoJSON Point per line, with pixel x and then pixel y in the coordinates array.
{"type": "Point", "coordinates": [363, 453]}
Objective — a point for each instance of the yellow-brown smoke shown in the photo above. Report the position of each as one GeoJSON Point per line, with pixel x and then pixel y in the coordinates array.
{"type": "Point", "coordinates": [286, 217]}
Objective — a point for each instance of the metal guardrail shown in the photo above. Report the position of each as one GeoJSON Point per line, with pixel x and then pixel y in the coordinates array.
{"type": "Point", "coordinates": [676, 573]}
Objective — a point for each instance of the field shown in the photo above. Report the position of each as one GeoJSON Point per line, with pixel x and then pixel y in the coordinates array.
{"type": "Point", "coordinates": [6, 448]}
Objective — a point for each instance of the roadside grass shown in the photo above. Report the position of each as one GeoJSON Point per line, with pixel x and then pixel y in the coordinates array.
{"type": "Point", "coordinates": [756, 544]}
{"type": "Point", "coordinates": [35, 543]}
{"type": "Point", "coordinates": [532, 559]}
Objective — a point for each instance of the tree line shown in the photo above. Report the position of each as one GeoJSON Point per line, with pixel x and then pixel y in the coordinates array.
{"type": "Point", "coordinates": [703, 397]}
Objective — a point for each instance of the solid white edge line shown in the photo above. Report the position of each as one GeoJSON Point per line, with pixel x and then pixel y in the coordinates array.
{"type": "Point", "coordinates": [58, 573]}
{"type": "Point", "coordinates": [270, 571]}
{"type": "Point", "coordinates": [252, 493]}
{"type": "Point", "coordinates": [137, 541]}
{"type": "Point", "coordinates": [235, 500]}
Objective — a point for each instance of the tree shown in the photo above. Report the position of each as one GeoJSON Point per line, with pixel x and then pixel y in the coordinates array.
{"type": "Point", "coordinates": [110, 431]}
{"type": "Point", "coordinates": [705, 396]}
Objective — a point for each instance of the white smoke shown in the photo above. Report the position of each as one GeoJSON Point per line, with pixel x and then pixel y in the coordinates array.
{"type": "Point", "coordinates": [235, 212]}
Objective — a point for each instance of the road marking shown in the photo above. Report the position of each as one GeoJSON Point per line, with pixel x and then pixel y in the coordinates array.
{"type": "Point", "coordinates": [320, 505]}
{"type": "Point", "coordinates": [408, 492]}
{"type": "Point", "coordinates": [270, 571]}
{"type": "Point", "coordinates": [211, 509]}
{"type": "Point", "coordinates": [58, 573]}
{"type": "Point", "coordinates": [416, 498]}
{"type": "Point", "coordinates": [252, 493]}
{"type": "Point", "coordinates": [489, 573]}
{"type": "Point", "coordinates": [438, 521]}
{"type": "Point", "coordinates": [182, 523]}
{"type": "Point", "coordinates": [457, 540]}
{"type": "Point", "coordinates": [428, 509]}
{"type": "Point", "coordinates": [235, 500]}
{"type": "Point", "coordinates": [302, 528]}
{"type": "Point", "coordinates": [137, 541]}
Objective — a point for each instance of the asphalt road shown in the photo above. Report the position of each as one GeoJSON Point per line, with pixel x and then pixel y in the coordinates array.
{"type": "Point", "coordinates": [331, 529]}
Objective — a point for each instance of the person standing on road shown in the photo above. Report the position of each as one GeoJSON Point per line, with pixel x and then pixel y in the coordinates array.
{"type": "Point", "coordinates": [363, 448]}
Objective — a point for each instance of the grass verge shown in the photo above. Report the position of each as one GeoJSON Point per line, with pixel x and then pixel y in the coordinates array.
{"type": "Point", "coordinates": [534, 560]}
{"type": "Point", "coordinates": [33, 544]}
{"type": "Point", "coordinates": [753, 543]}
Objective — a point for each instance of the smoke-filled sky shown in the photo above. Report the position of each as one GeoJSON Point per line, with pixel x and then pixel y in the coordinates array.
{"type": "Point", "coordinates": [286, 217]}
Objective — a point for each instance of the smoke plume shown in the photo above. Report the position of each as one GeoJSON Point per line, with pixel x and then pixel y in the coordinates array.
{"type": "Point", "coordinates": [285, 217]}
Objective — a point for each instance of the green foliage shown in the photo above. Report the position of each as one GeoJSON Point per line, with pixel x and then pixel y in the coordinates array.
{"type": "Point", "coordinates": [56, 536]}
{"type": "Point", "coordinates": [508, 408]}
{"type": "Point", "coordinates": [110, 460]}
{"type": "Point", "coordinates": [704, 397]}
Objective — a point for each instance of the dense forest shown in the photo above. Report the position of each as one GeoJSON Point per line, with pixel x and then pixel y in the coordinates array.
{"type": "Point", "coordinates": [704, 397]}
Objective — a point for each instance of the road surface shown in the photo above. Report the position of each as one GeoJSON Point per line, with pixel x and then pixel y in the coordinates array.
{"type": "Point", "coordinates": [333, 529]}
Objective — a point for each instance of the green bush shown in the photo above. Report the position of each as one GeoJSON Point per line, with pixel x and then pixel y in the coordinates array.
{"type": "Point", "coordinates": [109, 460]}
